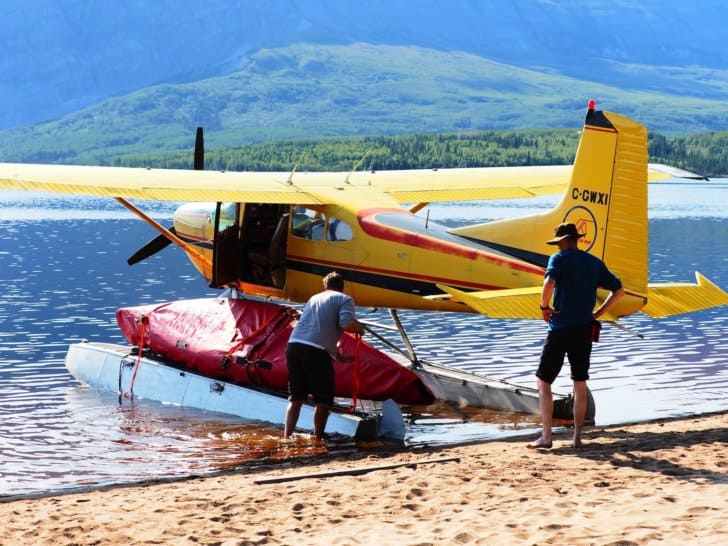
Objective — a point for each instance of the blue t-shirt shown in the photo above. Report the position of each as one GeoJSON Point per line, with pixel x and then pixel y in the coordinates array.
{"type": "Point", "coordinates": [323, 320]}
{"type": "Point", "coordinates": [577, 275]}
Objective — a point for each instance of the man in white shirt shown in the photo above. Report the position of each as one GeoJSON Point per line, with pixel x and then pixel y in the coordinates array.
{"type": "Point", "coordinates": [312, 349]}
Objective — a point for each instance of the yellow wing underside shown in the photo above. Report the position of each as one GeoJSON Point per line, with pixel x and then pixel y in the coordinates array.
{"type": "Point", "coordinates": [406, 186]}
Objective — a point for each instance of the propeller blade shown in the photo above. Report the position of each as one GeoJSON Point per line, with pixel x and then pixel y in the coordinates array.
{"type": "Point", "coordinates": [152, 247]}
{"type": "Point", "coordinates": [199, 164]}
{"type": "Point", "coordinates": [161, 242]}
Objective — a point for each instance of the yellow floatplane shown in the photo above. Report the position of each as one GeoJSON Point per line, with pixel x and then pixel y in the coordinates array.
{"type": "Point", "coordinates": [275, 234]}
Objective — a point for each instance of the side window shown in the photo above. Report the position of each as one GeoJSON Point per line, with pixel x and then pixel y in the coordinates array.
{"type": "Point", "coordinates": [308, 224]}
{"type": "Point", "coordinates": [339, 230]}
{"type": "Point", "coordinates": [228, 215]}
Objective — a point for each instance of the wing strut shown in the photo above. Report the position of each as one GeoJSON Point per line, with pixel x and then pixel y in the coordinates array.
{"type": "Point", "coordinates": [162, 241]}
{"type": "Point", "coordinates": [165, 232]}
{"type": "Point", "coordinates": [405, 338]}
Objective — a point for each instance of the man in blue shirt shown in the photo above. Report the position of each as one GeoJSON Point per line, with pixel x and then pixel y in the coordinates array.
{"type": "Point", "coordinates": [571, 281]}
{"type": "Point", "coordinates": [312, 348]}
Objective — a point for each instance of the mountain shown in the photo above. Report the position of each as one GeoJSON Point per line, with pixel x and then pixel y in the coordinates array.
{"type": "Point", "coordinates": [312, 90]}
{"type": "Point", "coordinates": [58, 56]}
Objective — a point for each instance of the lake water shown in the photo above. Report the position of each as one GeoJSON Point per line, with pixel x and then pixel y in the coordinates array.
{"type": "Point", "coordinates": [63, 274]}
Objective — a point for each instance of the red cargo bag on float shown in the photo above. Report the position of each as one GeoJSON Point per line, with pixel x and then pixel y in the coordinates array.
{"type": "Point", "coordinates": [244, 342]}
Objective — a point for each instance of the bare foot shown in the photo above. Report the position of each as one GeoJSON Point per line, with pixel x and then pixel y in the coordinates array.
{"type": "Point", "coordinates": [576, 443]}
{"type": "Point", "coordinates": [540, 443]}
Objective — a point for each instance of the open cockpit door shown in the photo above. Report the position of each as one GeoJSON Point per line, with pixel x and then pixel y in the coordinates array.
{"type": "Point", "coordinates": [264, 237]}
{"type": "Point", "coordinates": [226, 245]}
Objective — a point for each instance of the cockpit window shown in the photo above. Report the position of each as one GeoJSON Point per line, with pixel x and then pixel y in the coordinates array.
{"type": "Point", "coordinates": [338, 230]}
{"type": "Point", "coordinates": [228, 215]}
{"type": "Point", "coordinates": [308, 224]}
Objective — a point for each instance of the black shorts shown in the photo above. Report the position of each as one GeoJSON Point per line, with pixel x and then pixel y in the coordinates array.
{"type": "Point", "coordinates": [576, 343]}
{"type": "Point", "coordinates": [310, 371]}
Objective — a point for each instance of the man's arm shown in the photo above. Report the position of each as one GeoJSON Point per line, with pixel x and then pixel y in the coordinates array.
{"type": "Point", "coordinates": [546, 294]}
{"type": "Point", "coordinates": [347, 318]}
{"type": "Point", "coordinates": [611, 282]}
{"type": "Point", "coordinates": [609, 302]}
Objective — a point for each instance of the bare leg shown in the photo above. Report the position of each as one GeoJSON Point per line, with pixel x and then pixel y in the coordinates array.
{"type": "Point", "coordinates": [580, 397]}
{"type": "Point", "coordinates": [546, 405]}
{"type": "Point", "coordinates": [292, 413]}
{"type": "Point", "coordinates": [320, 416]}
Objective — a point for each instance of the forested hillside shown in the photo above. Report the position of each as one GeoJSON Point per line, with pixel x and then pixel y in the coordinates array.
{"type": "Point", "coordinates": [706, 154]}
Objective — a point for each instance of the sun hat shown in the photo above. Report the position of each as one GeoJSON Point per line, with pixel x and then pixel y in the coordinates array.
{"type": "Point", "coordinates": [564, 231]}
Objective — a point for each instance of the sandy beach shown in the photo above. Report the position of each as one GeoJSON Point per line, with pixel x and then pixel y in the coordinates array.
{"type": "Point", "coordinates": [660, 482]}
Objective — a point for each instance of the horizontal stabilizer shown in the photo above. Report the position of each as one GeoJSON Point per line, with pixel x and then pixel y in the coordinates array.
{"type": "Point", "coordinates": [669, 299]}
{"type": "Point", "coordinates": [512, 303]}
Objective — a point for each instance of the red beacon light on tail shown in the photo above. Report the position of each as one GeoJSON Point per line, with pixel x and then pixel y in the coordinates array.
{"type": "Point", "coordinates": [592, 104]}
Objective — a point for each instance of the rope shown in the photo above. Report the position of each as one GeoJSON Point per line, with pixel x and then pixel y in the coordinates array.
{"type": "Point", "coordinates": [144, 320]}
{"type": "Point", "coordinates": [239, 344]}
{"type": "Point", "coordinates": [356, 379]}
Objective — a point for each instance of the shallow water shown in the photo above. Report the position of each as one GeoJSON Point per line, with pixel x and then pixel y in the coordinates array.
{"type": "Point", "coordinates": [63, 271]}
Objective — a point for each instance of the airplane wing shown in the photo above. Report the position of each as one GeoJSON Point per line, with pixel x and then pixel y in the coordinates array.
{"type": "Point", "coordinates": [155, 184]}
{"type": "Point", "coordinates": [657, 172]}
{"type": "Point", "coordinates": [404, 186]}
{"type": "Point", "coordinates": [486, 183]}
{"type": "Point", "coordinates": [471, 184]}
{"type": "Point", "coordinates": [274, 187]}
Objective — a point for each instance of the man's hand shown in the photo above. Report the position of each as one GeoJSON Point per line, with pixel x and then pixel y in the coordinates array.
{"type": "Point", "coordinates": [547, 313]}
{"type": "Point", "coordinates": [355, 328]}
{"type": "Point", "coordinates": [344, 358]}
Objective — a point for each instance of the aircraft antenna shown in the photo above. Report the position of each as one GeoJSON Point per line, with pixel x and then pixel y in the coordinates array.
{"type": "Point", "coordinates": [289, 181]}
{"type": "Point", "coordinates": [356, 166]}
{"type": "Point", "coordinates": [427, 218]}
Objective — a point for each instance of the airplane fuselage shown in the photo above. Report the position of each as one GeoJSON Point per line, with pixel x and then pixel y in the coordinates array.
{"type": "Point", "coordinates": [388, 256]}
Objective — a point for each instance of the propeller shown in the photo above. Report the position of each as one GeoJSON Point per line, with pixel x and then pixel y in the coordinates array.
{"type": "Point", "coordinates": [199, 164]}
{"type": "Point", "coordinates": [161, 242]}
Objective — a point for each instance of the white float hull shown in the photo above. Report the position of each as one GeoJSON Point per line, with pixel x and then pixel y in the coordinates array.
{"type": "Point", "coordinates": [463, 388]}
{"type": "Point", "coordinates": [110, 367]}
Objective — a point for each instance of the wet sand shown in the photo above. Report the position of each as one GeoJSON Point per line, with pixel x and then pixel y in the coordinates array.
{"type": "Point", "coordinates": [660, 482]}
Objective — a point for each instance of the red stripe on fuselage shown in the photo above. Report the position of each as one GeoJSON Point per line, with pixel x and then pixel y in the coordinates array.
{"type": "Point", "coordinates": [368, 222]}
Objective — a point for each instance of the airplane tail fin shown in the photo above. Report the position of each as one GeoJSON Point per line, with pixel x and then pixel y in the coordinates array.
{"type": "Point", "coordinates": [607, 200]}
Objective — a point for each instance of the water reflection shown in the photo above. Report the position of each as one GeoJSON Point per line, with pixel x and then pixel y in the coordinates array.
{"type": "Point", "coordinates": [79, 436]}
